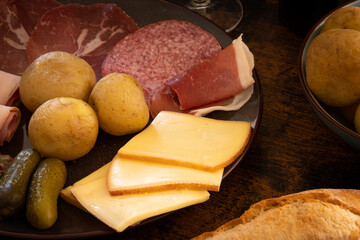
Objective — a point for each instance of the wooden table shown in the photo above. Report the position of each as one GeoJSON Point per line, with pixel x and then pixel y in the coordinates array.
{"type": "Point", "coordinates": [293, 150]}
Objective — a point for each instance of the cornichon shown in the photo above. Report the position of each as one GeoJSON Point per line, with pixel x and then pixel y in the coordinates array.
{"type": "Point", "coordinates": [47, 181]}
{"type": "Point", "coordinates": [14, 182]}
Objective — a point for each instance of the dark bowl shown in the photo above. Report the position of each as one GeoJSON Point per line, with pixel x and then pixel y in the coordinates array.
{"type": "Point", "coordinates": [331, 116]}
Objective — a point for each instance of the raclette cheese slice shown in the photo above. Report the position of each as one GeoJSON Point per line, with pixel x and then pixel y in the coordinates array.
{"type": "Point", "coordinates": [191, 141]}
{"type": "Point", "coordinates": [134, 176]}
{"type": "Point", "coordinates": [120, 212]}
{"type": "Point", "coordinates": [66, 193]}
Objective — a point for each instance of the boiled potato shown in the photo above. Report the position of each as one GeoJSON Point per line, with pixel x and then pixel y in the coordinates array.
{"type": "Point", "coordinates": [64, 128]}
{"type": "Point", "coordinates": [120, 105]}
{"type": "Point", "coordinates": [56, 74]}
{"type": "Point", "coordinates": [344, 18]}
{"type": "Point", "coordinates": [357, 119]}
{"type": "Point", "coordinates": [333, 67]}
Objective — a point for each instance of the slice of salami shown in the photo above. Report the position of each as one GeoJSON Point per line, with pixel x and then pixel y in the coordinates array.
{"type": "Point", "coordinates": [160, 51]}
{"type": "Point", "coordinates": [17, 20]}
{"type": "Point", "coordinates": [89, 32]}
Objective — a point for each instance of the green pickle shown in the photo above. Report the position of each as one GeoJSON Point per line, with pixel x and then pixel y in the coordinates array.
{"type": "Point", "coordinates": [45, 186]}
{"type": "Point", "coordinates": [14, 182]}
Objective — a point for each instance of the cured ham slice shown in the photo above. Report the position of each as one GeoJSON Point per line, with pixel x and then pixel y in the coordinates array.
{"type": "Point", "coordinates": [9, 91]}
{"type": "Point", "coordinates": [216, 83]}
{"type": "Point", "coordinates": [9, 121]}
{"type": "Point", "coordinates": [160, 51]}
{"type": "Point", "coordinates": [29, 12]}
{"type": "Point", "coordinates": [89, 32]}
{"type": "Point", "coordinates": [18, 18]}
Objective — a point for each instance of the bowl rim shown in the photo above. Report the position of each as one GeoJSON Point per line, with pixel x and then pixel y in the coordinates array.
{"type": "Point", "coordinates": [302, 75]}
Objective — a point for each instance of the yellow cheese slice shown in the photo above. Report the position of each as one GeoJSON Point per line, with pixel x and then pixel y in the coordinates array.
{"type": "Point", "coordinates": [66, 193]}
{"type": "Point", "coordinates": [119, 212]}
{"type": "Point", "coordinates": [188, 140]}
{"type": "Point", "coordinates": [134, 176]}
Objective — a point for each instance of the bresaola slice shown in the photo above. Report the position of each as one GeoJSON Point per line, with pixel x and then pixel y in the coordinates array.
{"type": "Point", "coordinates": [89, 32]}
{"type": "Point", "coordinates": [160, 51]}
{"type": "Point", "coordinates": [216, 83]}
{"type": "Point", "coordinates": [17, 20]}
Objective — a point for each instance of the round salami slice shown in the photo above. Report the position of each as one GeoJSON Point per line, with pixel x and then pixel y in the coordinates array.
{"type": "Point", "coordinates": [89, 32]}
{"type": "Point", "coordinates": [160, 51]}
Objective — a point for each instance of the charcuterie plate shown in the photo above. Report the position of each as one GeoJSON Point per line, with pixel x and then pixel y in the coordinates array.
{"type": "Point", "coordinates": [73, 222]}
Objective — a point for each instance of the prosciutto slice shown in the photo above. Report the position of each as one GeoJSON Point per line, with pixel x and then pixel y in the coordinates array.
{"type": "Point", "coordinates": [89, 32]}
{"type": "Point", "coordinates": [216, 83]}
{"type": "Point", "coordinates": [17, 20]}
{"type": "Point", "coordinates": [9, 121]}
{"type": "Point", "coordinates": [9, 91]}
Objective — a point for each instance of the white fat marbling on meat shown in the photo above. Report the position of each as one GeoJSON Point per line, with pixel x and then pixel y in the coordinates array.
{"type": "Point", "coordinates": [20, 33]}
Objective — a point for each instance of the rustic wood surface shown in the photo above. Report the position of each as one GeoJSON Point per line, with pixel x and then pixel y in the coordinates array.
{"type": "Point", "coordinates": [293, 150]}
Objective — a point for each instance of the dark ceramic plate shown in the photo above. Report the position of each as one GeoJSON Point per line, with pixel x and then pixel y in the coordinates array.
{"type": "Point", "coordinates": [73, 222]}
{"type": "Point", "coordinates": [331, 116]}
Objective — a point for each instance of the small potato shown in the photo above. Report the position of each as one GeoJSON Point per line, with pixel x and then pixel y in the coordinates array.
{"type": "Point", "coordinates": [56, 74]}
{"type": "Point", "coordinates": [357, 119]}
{"type": "Point", "coordinates": [120, 105]}
{"type": "Point", "coordinates": [333, 67]}
{"type": "Point", "coordinates": [64, 128]}
{"type": "Point", "coordinates": [344, 18]}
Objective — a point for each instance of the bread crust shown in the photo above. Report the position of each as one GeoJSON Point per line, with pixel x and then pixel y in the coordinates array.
{"type": "Point", "coordinates": [346, 199]}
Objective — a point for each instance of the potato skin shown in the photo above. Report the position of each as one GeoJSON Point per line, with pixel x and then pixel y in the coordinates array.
{"type": "Point", "coordinates": [343, 18]}
{"type": "Point", "coordinates": [64, 128]}
{"type": "Point", "coordinates": [357, 119]}
{"type": "Point", "coordinates": [56, 74]}
{"type": "Point", "coordinates": [120, 105]}
{"type": "Point", "coordinates": [333, 67]}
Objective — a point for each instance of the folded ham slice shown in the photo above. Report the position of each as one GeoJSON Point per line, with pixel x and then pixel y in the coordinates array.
{"type": "Point", "coordinates": [9, 122]}
{"type": "Point", "coordinates": [9, 91]}
{"type": "Point", "coordinates": [219, 80]}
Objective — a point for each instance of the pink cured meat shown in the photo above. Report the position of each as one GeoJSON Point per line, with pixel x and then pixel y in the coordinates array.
{"type": "Point", "coordinates": [89, 32]}
{"type": "Point", "coordinates": [30, 11]}
{"type": "Point", "coordinates": [9, 121]}
{"type": "Point", "coordinates": [160, 51]}
{"type": "Point", "coordinates": [216, 83]}
{"type": "Point", "coordinates": [17, 20]}
{"type": "Point", "coordinates": [9, 90]}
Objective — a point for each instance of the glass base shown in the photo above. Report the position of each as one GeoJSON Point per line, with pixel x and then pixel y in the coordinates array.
{"type": "Point", "coordinates": [227, 14]}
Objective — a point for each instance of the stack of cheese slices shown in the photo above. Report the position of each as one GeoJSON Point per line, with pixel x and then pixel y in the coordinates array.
{"type": "Point", "coordinates": [171, 164]}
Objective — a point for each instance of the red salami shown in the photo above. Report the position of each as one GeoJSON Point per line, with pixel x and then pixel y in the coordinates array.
{"type": "Point", "coordinates": [17, 20]}
{"type": "Point", "coordinates": [160, 51]}
{"type": "Point", "coordinates": [88, 32]}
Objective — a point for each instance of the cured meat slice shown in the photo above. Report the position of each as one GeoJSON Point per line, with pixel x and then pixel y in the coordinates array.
{"type": "Point", "coordinates": [9, 122]}
{"type": "Point", "coordinates": [29, 12]}
{"type": "Point", "coordinates": [13, 41]}
{"type": "Point", "coordinates": [89, 32]}
{"type": "Point", "coordinates": [17, 20]}
{"type": "Point", "coordinates": [208, 85]}
{"type": "Point", "coordinates": [160, 51]}
{"type": "Point", "coordinates": [9, 91]}
{"type": "Point", "coordinates": [216, 78]}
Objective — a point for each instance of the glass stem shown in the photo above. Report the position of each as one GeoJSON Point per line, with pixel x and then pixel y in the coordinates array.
{"type": "Point", "coordinates": [200, 3]}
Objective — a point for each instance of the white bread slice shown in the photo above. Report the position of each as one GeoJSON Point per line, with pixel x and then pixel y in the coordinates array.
{"type": "Point", "coordinates": [312, 214]}
{"type": "Point", "coordinates": [189, 141]}
{"type": "Point", "coordinates": [135, 176]}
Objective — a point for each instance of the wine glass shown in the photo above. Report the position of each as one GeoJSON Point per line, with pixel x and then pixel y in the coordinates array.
{"type": "Point", "coordinates": [227, 14]}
